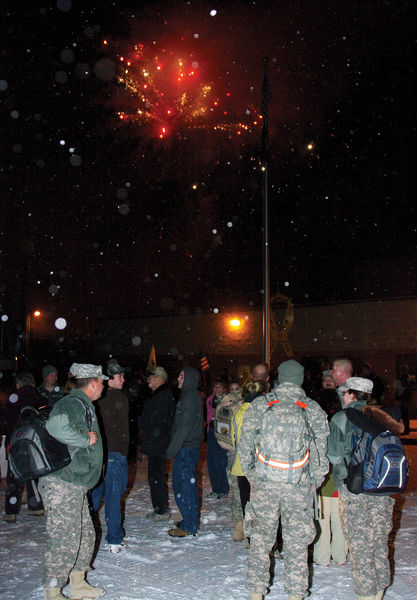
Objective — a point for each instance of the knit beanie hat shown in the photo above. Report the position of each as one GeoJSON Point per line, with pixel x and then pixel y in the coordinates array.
{"type": "Point", "coordinates": [291, 371]}
{"type": "Point", "coordinates": [47, 370]}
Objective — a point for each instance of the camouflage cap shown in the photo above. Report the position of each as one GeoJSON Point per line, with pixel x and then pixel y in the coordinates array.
{"type": "Point", "coordinates": [86, 371]}
{"type": "Point", "coordinates": [159, 372]}
{"type": "Point", "coordinates": [360, 384]}
{"type": "Point", "coordinates": [327, 373]}
{"type": "Point", "coordinates": [73, 369]}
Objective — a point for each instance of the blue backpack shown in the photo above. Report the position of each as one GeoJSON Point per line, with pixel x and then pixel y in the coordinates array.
{"type": "Point", "coordinates": [379, 464]}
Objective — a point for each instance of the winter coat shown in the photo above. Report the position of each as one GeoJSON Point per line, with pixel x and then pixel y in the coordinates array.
{"type": "Point", "coordinates": [340, 439]}
{"type": "Point", "coordinates": [114, 413]}
{"type": "Point", "coordinates": [187, 430]}
{"type": "Point", "coordinates": [50, 397]}
{"type": "Point", "coordinates": [317, 421]}
{"type": "Point", "coordinates": [68, 424]}
{"type": "Point", "coordinates": [158, 416]}
{"type": "Point", "coordinates": [211, 410]}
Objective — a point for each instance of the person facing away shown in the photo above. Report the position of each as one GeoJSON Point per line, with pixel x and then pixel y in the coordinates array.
{"type": "Point", "coordinates": [184, 448]}
{"type": "Point", "coordinates": [49, 388]}
{"type": "Point", "coordinates": [282, 485]}
{"type": "Point", "coordinates": [158, 416]}
{"type": "Point", "coordinates": [25, 395]}
{"type": "Point", "coordinates": [114, 413]}
{"type": "Point", "coordinates": [69, 528]}
{"type": "Point", "coordinates": [366, 519]}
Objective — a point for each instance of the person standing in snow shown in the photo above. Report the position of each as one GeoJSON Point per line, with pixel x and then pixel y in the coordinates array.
{"type": "Point", "coordinates": [281, 482]}
{"type": "Point", "coordinates": [69, 528]}
{"type": "Point", "coordinates": [25, 395]}
{"type": "Point", "coordinates": [158, 416]}
{"type": "Point", "coordinates": [216, 454]}
{"type": "Point", "coordinates": [49, 388]}
{"type": "Point", "coordinates": [114, 412]}
{"type": "Point", "coordinates": [184, 448]}
{"type": "Point", "coordinates": [366, 519]}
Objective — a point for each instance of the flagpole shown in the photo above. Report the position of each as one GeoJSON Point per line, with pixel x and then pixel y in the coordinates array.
{"type": "Point", "coordinates": [266, 324]}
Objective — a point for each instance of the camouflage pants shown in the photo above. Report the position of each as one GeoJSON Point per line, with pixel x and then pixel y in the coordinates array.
{"type": "Point", "coordinates": [234, 494]}
{"type": "Point", "coordinates": [295, 505]}
{"type": "Point", "coordinates": [70, 531]}
{"type": "Point", "coordinates": [366, 523]}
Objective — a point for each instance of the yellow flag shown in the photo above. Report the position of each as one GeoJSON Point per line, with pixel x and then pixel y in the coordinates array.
{"type": "Point", "coordinates": [152, 359]}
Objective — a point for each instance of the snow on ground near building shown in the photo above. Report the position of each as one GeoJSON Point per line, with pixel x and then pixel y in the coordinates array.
{"type": "Point", "coordinates": [206, 567]}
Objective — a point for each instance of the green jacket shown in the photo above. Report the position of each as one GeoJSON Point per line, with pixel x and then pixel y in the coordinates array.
{"type": "Point", "coordinates": [68, 424]}
{"type": "Point", "coordinates": [339, 443]}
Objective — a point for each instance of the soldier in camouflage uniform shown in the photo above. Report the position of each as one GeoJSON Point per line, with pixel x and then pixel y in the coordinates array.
{"type": "Point", "coordinates": [271, 498]}
{"type": "Point", "coordinates": [366, 519]}
{"type": "Point", "coordinates": [70, 531]}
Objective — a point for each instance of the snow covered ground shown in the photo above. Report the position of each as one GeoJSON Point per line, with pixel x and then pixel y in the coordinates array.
{"type": "Point", "coordinates": [207, 567]}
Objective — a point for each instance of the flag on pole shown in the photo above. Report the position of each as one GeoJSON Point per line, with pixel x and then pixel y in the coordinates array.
{"type": "Point", "coordinates": [265, 98]}
{"type": "Point", "coordinates": [152, 359]}
{"type": "Point", "coordinates": [204, 363]}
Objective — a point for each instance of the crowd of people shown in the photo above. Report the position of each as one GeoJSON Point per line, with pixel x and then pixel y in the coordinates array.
{"type": "Point", "coordinates": [287, 507]}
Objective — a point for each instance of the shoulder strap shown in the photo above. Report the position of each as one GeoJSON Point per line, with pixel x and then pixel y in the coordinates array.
{"type": "Point", "coordinates": [88, 416]}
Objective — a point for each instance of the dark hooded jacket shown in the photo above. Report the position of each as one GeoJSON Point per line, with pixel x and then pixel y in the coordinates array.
{"type": "Point", "coordinates": [187, 431]}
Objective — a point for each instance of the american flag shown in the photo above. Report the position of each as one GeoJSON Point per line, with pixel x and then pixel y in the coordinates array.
{"type": "Point", "coordinates": [204, 363]}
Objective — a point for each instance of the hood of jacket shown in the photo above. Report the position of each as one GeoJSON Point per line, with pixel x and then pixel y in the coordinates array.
{"type": "Point", "coordinates": [191, 379]}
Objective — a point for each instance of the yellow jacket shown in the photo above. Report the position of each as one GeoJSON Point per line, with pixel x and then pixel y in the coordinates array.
{"type": "Point", "coordinates": [235, 432]}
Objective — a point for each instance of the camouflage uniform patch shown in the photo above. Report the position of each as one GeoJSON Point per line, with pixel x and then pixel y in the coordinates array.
{"type": "Point", "coordinates": [235, 505]}
{"type": "Point", "coordinates": [366, 523]}
{"type": "Point", "coordinates": [70, 531]}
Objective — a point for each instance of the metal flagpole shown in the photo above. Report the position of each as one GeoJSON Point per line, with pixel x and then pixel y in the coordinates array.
{"type": "Point", "coordinates": [266, 96]}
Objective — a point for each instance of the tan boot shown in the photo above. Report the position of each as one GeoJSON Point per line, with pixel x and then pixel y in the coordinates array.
{"type": "Point", "coordinates": [80, 589]}
{"type": "Point", "coordinates": [239, 534]}
{"type": "Point", "coordinates": [256, 596]}
{"type": "Point", "coordinates": [54, 594]}
{"type": "Point", "coordinates": [379, 595]}
{"type": "Point", "coordinates": [366, 597]}
{"type": "Point", "coordinates": [294, 598]}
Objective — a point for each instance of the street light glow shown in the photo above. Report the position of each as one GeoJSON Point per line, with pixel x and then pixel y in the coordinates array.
{"type": "Point", "coordinates": [37, 313]}
{"type": "Point", "coordinates": [234, 322]}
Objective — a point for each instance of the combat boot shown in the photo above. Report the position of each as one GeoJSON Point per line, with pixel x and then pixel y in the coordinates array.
{"type": "Point", "coordinates": [53, 594]}
{"type": "Point", "coordinates": [256, 596]}
{"type": "Point", "coordinates": [294, 598]}
{"type": "Point", "coordinates": [239, 534]}
{"type": "Point", "coordinates": [366, 597]}
{"type": "Point", "coordinates": [379, 595]}
{"type": "Point", "coordinates": [80, 589]}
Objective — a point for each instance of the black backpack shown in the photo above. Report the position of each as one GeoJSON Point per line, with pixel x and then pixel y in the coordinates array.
{"type": "Point", "coordinates": [33, 451]}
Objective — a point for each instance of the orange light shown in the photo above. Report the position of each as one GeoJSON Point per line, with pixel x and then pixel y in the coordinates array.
{"type": "Point", "coordinates": [234, 322]}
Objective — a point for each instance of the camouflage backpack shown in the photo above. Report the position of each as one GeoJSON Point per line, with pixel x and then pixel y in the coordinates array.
{"type": "Point", "coordinates": [282, 443]}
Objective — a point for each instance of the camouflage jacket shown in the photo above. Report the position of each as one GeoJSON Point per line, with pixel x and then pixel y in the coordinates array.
{"type": "Point", "coordinates": [316, 419]}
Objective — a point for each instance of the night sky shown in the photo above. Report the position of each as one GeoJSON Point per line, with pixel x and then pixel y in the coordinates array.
{"type": "Point", "coordinates": [130, 179]}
